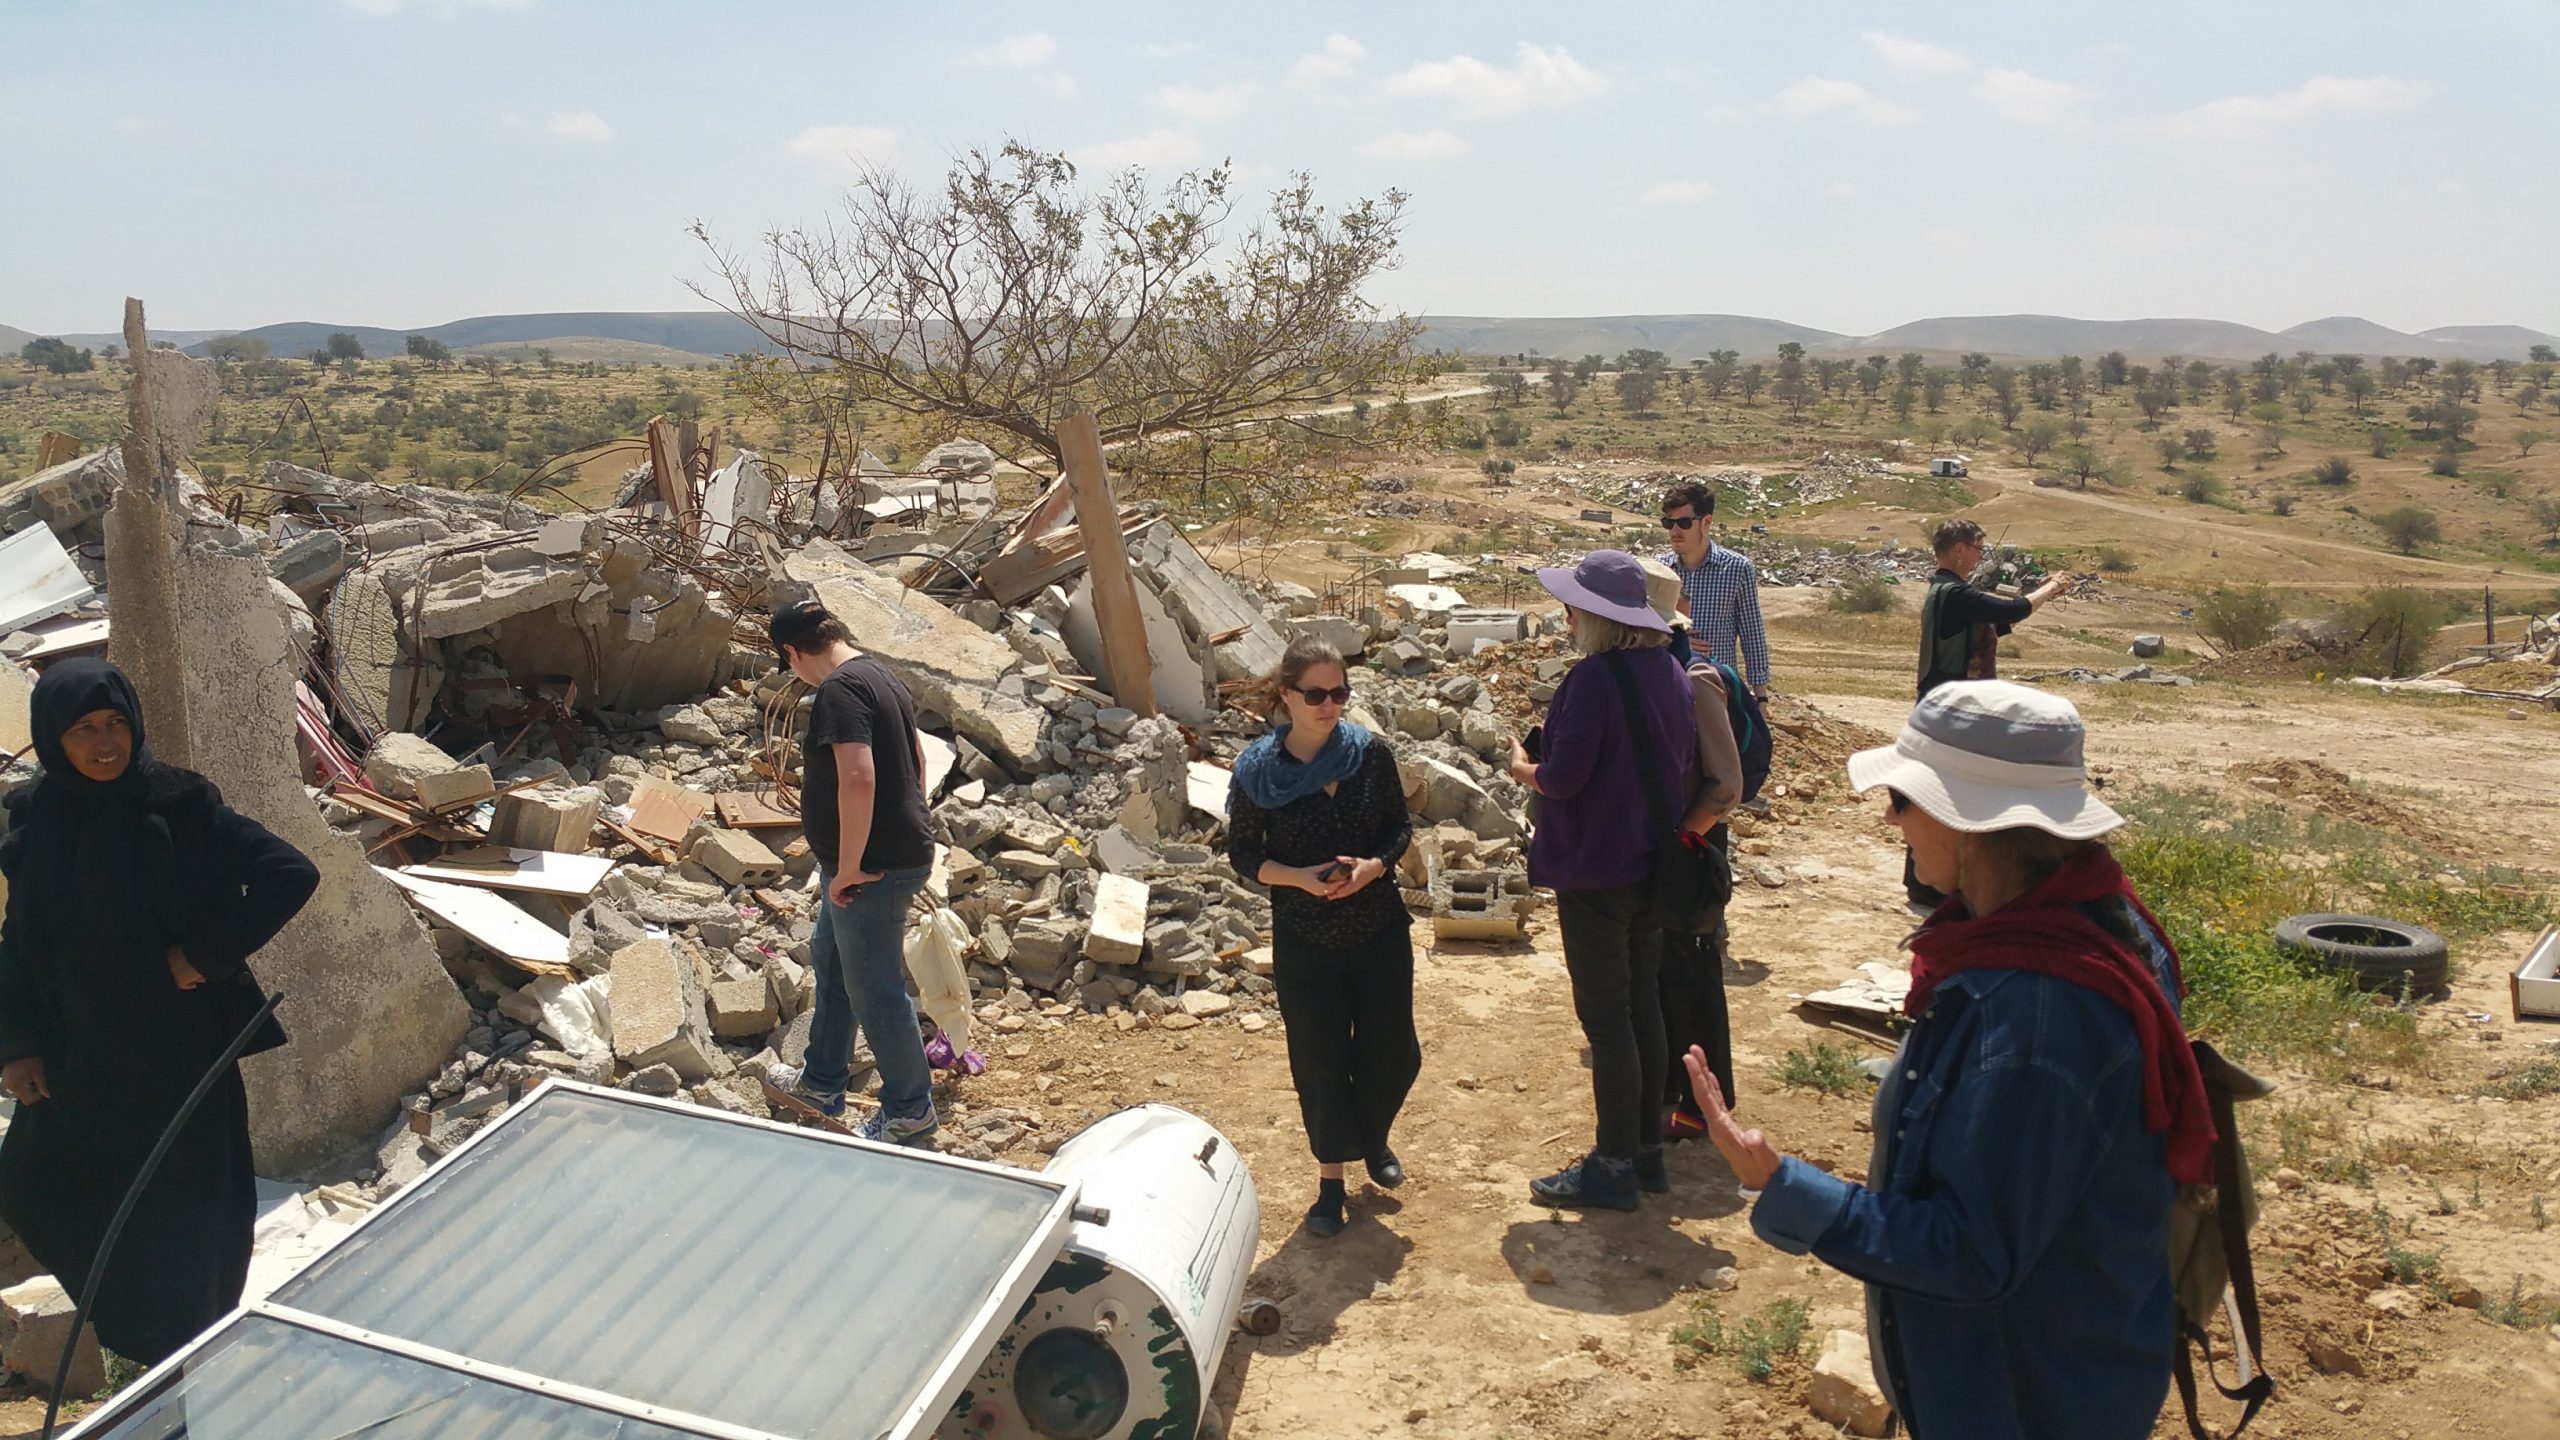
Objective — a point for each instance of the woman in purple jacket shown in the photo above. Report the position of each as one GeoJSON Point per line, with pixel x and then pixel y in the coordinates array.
{"type": "Point", "coordinates": [1594, 846]}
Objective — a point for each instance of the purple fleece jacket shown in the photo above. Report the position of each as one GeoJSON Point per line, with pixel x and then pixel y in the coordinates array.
{"type": "Point", "coordinates": [1594, 829]}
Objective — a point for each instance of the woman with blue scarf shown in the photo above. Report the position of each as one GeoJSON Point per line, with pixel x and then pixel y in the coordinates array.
{"type": "Point", "coordinates": [1317, 813]}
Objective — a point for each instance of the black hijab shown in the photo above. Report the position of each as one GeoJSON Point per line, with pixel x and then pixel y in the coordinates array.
{"type": "Point", "coordinates": [90, 858]}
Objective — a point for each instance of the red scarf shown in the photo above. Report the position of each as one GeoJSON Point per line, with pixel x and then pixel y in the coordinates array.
{"type": "Point", "coordinates": [2044, 933]}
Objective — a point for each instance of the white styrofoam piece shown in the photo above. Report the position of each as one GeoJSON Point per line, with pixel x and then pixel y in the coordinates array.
{"type": "Point", "coordinates": [37, 579]}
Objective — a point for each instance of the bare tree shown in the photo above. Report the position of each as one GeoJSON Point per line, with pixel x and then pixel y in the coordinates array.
{"type": "Point", "coordinates": [1014, 297]}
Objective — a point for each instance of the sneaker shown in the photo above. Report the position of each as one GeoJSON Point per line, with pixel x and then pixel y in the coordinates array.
{"type": "Point", "coordinates": [1592, 1182]}
{"type": "Point", "coordinates": [909, 1130]}
{"type": "Point", "coordinates": [793, 1082]}
{"type": "Point", "coordinates": [1653, 1171]}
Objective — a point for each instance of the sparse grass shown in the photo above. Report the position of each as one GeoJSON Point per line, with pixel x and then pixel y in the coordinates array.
{"type": "Point", "coordinates": [1831, 1069]}
{"type": "Point", "coordinates": [1865, 595]}
{"type": "Point", "coordinates": [2313, 1139]}
{"type": "Point", "coordinates": [2407, 1267]}
{"type": "Point", "coordinates": [2532, 1080]}
{"type": "Point", "coordinates": [2518, 1310]}
{"type": "Point", "coordinates": [1755, 1345]}
{"type": "Point", "coordinates": [2115, 560]}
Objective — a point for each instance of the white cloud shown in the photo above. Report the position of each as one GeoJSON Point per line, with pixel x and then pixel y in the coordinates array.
{"type": "Point", "coordinates": [1907, 56]}
{"type": "Point", "coordinates": [1814, 95]}
{"type": "Point", "coordinates": [580, 125]}
{"type": "Point", "coordinates": [1194, 103]}
{"type": "Point", "coordinates": [1841, 190]}
{"type": "Point", "coordinates": [1155, 150]}
{"type": "Point", "coordinates": [1678, 192]}
{"type": "Point", "coordinates": [441, 9]}
{"type": "Point", "coordinates": [2245, 117]}
{"type": "Point", "coordinates": [2148, 237]}
{"type": "Point", "coordinates": [845, 151]}
{"type": "Point", "coordinates": [2024, 99]}
{"type": "Point", "coordinates": [1415, 145]}
{"type": "Point", "coordinates": [1016, 52]}
{"type": "Point", "coordinates": [1340, 56]}
{"type": "Point", "coordinates": [1537, 75]}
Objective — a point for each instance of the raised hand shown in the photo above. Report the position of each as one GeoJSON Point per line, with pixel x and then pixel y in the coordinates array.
{"type": "Point", "coordinates": [1749, 1152]}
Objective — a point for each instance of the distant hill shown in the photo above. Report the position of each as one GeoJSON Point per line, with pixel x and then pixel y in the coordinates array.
{"type": "Point", "coordinates": [1682, 337]}
{"type": "Point", "coordinates": [12, 340]}
{"type": "Point", "coordinates": [687, 337]}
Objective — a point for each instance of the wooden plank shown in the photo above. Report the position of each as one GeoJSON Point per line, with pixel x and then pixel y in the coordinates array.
{"type": "Point", "coordinates": [55, 448]}
{"type": "Point", "coordinates": [648, 848]}
{"type": "Point", "coordinates": [68, 640]}
{"type": "Point", "coordinates": [1127, 668]}
{"type": "Point", "coordinates": [750, 810]}
{"type": "Point", "coordinates": [536, 872]}
{"type": "Point", "coordinates": [666, 466]}
{"type": "Point", "coordinates": [664, 810]}
{"type": "Point", "coordinates": [490, 921]}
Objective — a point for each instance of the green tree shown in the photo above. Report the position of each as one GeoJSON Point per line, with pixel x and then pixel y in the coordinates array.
{"type": "Point", "coordinates": [2004, 394]}
{"type": "Point", "coordinates": [2200, 443]}
{"type": "Point", "coordinates": [2112, 369]}
{"type": "Point", "coordinates": [2170, 450]}
{"type": "Point", "coordinates": [2040, 435]}
{"type": "Point", "coordinates": [2543, 355]}
{"type": "Point", "coordinates": [2235, 618]}
{"type": "Point", "coordinates": [2527, 439]}
{"type": "Point", "coordinates": [2270, 421]}
{"type": "Point", "coordinates": [2546, 518]}
{"type": "Point", "coordinates": [343, 345]}
{"type": "Point", "coordinates": [1909, 364]}
{"type": "Point", "coordinates": [1933, 391]}
{"type": "Point", "coordinates": [2408, 527]}
{"type": "Point", "coordinates": [1126, 299]}
{"type": "Point", "coordinates": [1507, 431]}
{"type": "Point", "coordinates": [1752, 378]}
{"type": "Point", "coordinates": [2336, 471]}
{"type": "Point", "coordinates": [2084, 463]}
{"type": "Point", "coordinates": [2394, 625]}
{"type": "Point", "coordinates": [1653, 361]}
{"type": "Point", "coordinates": [1508, 387]}
{"type": "Point", "coordinates": [1903, 400]}
{"type": "Point", "coordinates": [1560, 392]}
{"type": "Point", "coordinates": [57, 357]}
{"type": "Point", "coordinates": [435, 352]}
{"type": "Point", "coordinates": [1971, 367]}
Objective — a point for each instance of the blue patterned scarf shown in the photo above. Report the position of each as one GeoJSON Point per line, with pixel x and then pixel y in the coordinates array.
{"type": "Point", "coordinates": [1272, 777]}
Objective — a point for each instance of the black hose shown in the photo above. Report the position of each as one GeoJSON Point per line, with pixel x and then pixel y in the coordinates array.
{"type": "Point", "coordinates": [133, 1193]}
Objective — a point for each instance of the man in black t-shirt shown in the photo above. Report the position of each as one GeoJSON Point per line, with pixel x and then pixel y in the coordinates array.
{"type": "Point", "coordinates": [862, 808]}
{"type": "Point", "coordinates": [1960, 630]}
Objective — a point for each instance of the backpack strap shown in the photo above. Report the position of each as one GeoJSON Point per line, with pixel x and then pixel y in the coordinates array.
{"type": "Point", "coordinates": [2231, 1215]}
{"type": "Point", "coordinates": [1640, 734]}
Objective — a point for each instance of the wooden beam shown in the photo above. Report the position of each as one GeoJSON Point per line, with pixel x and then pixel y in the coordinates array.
{"type": "Point", "coordinates": [1127, 667]}
{"type": "Point", "coordinates": [55, 448]}
{"type": "Point", "coordinates": [666, 465]}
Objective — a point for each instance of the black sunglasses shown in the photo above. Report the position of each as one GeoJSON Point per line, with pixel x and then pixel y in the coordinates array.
{"type": "Point", "coordinates": [1339, 695]}
{"type": "Point", "coordinates": [1680, 522]}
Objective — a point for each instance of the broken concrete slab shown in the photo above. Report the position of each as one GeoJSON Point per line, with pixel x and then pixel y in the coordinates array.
{"type": "Point", "coordinates": [1243, 643]}
{"type": "Point", "coordinates": [35, 1328]}
{"type": "Point", "coordinates": [310, 563]}
{"type": "Point", "coordinates": [476, 590]}
{"type": "Point", "coordinates": [659, 1015]}
{"type": "Point", "coordinates": [369, 1009]}
{"type": "Point", "coordinates": [1426, 601]}
{"type": "Point", "coordinates": [950, 665]}
{"type": "Point", "coordinates": [1121, 853]}
{"type": "Point", "coordinates": [400, 760]}
{"type": "Point", "coordinates": [532, 872]}
{"type": "Point", "coordinates": [71, 497]}
{"type": "Point", "coordinates": [1348, 636]}
{"type": "Point", "coordinates": [1844, 1392]}
{"type": "Point", "coordinates": [1473, 627]}
{"type": "Point", "coordinates": [447, 790]}
{"type": "Point", "coordinates": [1119, 933]}
{"type": "Point", "coordinates": [742, 1009]}
{"type": "Point", "coordinates": [1205, 1004]}
{"type": "Point", "coordinates": [1042, 954]}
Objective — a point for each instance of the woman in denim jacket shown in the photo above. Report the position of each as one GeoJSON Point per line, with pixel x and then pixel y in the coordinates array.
{"type": "Point", "coordinates": [2013, 1229]}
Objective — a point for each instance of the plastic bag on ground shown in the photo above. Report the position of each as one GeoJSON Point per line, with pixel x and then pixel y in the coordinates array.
{"type": "Point", "coordinates": [934, 947]}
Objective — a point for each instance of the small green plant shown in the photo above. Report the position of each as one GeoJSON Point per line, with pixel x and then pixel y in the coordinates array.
{"type": "Point", "coordinates": [1831, 1069]}
{"type": "Point", "coordinates": [2518, 1310]}
{"type": "Point", "coordinates": [1864, 595]}
{"type": "Point", "coordinates": [2238, 617]}
{"type": "Point", "coordinates": [2407, 1267]}
{"type": "Point", "coordinates": [2336, 470]}
{"type": "Point", "coordinates": [1755, 1345]}
{"type": "Point", "coordinates": [2201, 489]}
{"type": "Point", "coordinates": [2115, 560]}
{"type": "Point", "coordinates": [2445, 1204]}
{"type": "Point", "coordinates": [2283, 505]}
{"type": "Point", "coordinates": [2541, 1219]}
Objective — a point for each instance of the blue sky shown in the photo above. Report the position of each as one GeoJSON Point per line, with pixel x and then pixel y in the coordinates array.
{"type": "Point", "coordinates": [1852, 166]}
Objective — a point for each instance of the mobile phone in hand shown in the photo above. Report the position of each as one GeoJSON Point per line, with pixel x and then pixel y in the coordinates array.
{"type": "Point", "coordinates": [1331, 873]}
{"type": "Point", "coordinates": [1534, 741]}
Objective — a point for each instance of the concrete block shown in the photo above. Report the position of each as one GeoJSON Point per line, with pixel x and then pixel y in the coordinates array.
{"type": "Point", "coordinates": [1119, 933]}
{"type": "Point", "coordinates": [448, 789]}
{"type": "Point", "coordinates": [1477, 905]}
{"type": "Point", "coordinates": [310, 563]}
{"type": "Point", "coordinates": [2149, 647]}
{"type": "Point", "coordinates": [1203, 1004]}
{"type": "Point", "coordinates": [1043, 954]}
{"type": "Point", "coordinates": [505, 583]}
{"type": "Point", "coordinates": [691, 725]}
{"type": "Point", "coordinates": [741, 1009]}
{"type": "Point", "coordinates": [1844, 1392]}
{"type": "Point", "coordinates": [659, 1011]}
{"type": "Point", "coordinates": [1472, 626]}
{"type": "Point", "coordinates": [400, 760]}
{"type": "Point", "coordinates": [1120, 852]}
{"type": "Point", "coordinates": [1407, 658]}
{"type": "Point", "coordinates": [35, 1328]}
{"type": "Point", "coordinates": [1343, 634]}
{"type": "Point", "coordinates": [560, 821]}
{"type": "Point", "coordinates": [737, 857]}
{"type": "Point", "coordinates": [1438, 791]}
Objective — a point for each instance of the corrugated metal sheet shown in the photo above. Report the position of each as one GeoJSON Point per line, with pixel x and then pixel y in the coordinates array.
{"type": "Point", "coordinates": [771, 1279]}
{"type": "Point", "coordinates": [264, 1380]}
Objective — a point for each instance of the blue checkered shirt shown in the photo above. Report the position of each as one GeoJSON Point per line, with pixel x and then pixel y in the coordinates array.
{"type": "Point", "coordinates": [1724, 611]}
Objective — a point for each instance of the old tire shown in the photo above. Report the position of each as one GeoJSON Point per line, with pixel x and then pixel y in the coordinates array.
{"type": "Point", "coordinates": [2378, 954]}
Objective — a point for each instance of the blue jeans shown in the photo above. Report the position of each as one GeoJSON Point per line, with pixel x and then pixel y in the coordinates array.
{"type": "Point", "coordinates": [859, 956]}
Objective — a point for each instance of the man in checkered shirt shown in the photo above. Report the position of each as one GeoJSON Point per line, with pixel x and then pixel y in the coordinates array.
{"type": "Point", "coordinates": [1723, 595]}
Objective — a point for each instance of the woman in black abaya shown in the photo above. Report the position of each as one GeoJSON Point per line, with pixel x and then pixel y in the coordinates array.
{"type": "Point", "coordinates": [136, 898]}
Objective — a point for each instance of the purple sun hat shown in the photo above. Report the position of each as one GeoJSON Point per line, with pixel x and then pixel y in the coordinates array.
{"type": "Point", "coordinates": [1608, 583]}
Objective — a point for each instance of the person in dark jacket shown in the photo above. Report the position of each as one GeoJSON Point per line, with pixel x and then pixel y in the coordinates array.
{"type": "Point", "coordinates": [1594, 846]}
{"type": "Point", "coordinates": [1317, 812]}
{"type": "Point", "coordinates": [2013, 1224]}
{"type": "Point", "coordinates": [136, 898]}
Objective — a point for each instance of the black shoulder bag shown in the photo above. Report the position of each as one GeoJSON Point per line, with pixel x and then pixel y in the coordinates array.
{"type": "Point", "coordinates": [1690, 886]}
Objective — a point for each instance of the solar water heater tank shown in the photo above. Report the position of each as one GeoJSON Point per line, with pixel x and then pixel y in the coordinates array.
{"type": "Point", "coordinates": [1121, 1339]}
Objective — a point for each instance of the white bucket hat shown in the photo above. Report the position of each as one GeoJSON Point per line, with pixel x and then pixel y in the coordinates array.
{"type": "Point", "coordinates": [1983, 755]}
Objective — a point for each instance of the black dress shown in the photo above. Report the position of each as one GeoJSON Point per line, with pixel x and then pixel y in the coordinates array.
{"type": "Point", "coordinates": [85, 985]}
{"type": "Point", "coordinates": [1344, 968]}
